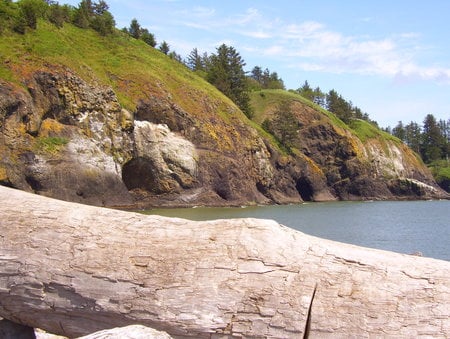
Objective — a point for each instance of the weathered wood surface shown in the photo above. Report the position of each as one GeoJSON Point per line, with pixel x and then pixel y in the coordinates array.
{"type": "Point", "coordinates": [73, 270]}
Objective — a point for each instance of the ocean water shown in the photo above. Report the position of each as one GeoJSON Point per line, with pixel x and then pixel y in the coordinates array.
{"type": "Point", "coordinates": [399, 226]}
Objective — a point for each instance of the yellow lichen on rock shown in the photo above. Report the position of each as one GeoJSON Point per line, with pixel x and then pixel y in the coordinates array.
{"type": "Point", "coordinates": [50, 127]}
{"type": "Point", "coordinates": [3, 174]}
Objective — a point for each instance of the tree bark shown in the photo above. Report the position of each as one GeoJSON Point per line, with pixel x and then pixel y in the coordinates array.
{"type": "Point", "coordinates": [72, 270]}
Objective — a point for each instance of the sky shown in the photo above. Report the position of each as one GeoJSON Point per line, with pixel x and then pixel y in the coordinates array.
{"type": "Point", "coordinates": [389, 58]}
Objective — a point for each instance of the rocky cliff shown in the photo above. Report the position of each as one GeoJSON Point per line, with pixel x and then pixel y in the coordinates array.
{"type": "Point", "coordinates": [126, 126]}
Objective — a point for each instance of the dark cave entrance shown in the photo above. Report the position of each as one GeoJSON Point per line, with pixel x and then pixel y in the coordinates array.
{"type": "Point", "coordinates": [138, 173]}
{"type": "Point", "coordinates": [305, 189]}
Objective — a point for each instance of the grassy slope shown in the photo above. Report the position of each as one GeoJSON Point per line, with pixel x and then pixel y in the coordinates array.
{"type": "Point", "coordinates": [130, 67]}
{"type": "Point", "coordinates": [133, 69]}
{"type": "Point", "coordinates": [266, 100]}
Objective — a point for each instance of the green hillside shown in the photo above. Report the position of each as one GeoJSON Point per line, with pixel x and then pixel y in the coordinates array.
{"type": "Point", "coordinates": [265, 102]}
{"type": "Point", "coordinates": [132, 68]}
{"type": "Point", "coordinates": [129, 66]}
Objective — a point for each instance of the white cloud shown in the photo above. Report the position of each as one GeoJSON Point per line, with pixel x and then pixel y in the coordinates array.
{"type": "Point", "coordinates": [257, 34]}
{"type": "Point", "coordinates": [203, 12]}
{"type": "Point", "coordinates": [311, 45]}
{"type": "Point", "coordinates": [321, 49]}
{"type": "Point", "coordinates": [250, 15]}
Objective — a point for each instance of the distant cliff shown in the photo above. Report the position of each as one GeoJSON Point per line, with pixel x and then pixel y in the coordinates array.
{"type": "Point", "coordinates": [111, 121]}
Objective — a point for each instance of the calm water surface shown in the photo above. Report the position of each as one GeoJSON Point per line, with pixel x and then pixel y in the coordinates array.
{"type": "Point", "coordinates": [403, 227]}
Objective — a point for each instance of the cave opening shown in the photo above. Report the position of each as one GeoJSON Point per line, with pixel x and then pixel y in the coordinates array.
{"type": "Point", "coordinates": [305, 189]}
{"type": "Point", "coordinates": [138, 173]}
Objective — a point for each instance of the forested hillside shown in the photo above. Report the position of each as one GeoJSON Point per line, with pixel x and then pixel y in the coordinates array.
{"type": "Point", "coordinates": [95, 114]}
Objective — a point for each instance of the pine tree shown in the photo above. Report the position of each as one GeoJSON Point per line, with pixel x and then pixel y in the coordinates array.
{"type": "Point", "coordinates": [102, 20]}
{"type": "Point", "coordinates": [399, 131]}
{"type": "Point", "coordinates": [306, 91]}
{"type": "Point", "coordinates": [226, 72]}
{"type": "Point", "coordinates": [164, 47]}
{"type": "Point", "coordinates": [413, 136]}
{"type": "Point", "coordinates": [195, 61]}
{"type": "Point", "coordinates": [432, 140]}
{"type": "Point", "coordinates": [148, 37]}
{"type": "Point", "coordinates": [83, 14]}
{"type": "Point", "coordinates": [31, 11]}
{"type": "Point", "coordinates": [135, 29]}
{"type": "Point", "coordinates": [285, 125]}
{"type": "Point", "coordinates": [319, 97]}
{"type": "Point", "coordinates": [257, 74]}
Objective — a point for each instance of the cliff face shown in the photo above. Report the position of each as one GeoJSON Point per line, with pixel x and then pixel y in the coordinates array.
{"type": "Point", "coordinates": [358, 161]}
{"type": "Point", "coordinates": [148, 132]}
{"type": "Point", "coordinates": [65, 138]}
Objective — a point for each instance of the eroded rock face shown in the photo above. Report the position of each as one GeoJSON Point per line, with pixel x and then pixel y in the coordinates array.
{"type": "Point", "coordinates": [66, 139]}
{"type": "Point", "coordinates": [375, 169]}
{"type": "Point", "coordinates": [71, 139]}
{"type": "Point", "coordinates": [163, 162]}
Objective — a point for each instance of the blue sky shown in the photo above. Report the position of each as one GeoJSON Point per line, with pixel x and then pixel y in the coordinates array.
{"type": "Point", "coordinates": [390, 58]}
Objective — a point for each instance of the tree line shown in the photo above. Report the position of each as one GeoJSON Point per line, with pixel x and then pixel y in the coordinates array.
{"type": "Point", "coordinates": [225, 70]}
{"type": "Point", "coordinates": [23, 15]}
{"type": "Point", "coordinates": [334, 103]}
{"type": "Point", "coordinates": [431, 139]}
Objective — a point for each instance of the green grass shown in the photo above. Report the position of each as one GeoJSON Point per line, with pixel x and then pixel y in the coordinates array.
{"type": "Point", "coordinates": [137, 71]}
{"type": "Point", "coordinates": [129, 66]}
{"type": "Point", "coordinates": [441, 173]}
{"type": "Point", "coordinates": [265, 101]}
{"type": "Point", "coordinates": [50, 145]}
{"type": "Point", "coordinates": [364, 130]}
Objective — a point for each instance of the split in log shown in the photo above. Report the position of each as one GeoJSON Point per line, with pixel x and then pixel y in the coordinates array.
{"type": "Point", "coordinates": [73, 270]}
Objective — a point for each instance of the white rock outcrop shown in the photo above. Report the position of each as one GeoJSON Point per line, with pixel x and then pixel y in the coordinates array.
{"type": "Point", "coordinates": [73, 270]}
{"type": "Point", "coordinates": [165, 148]}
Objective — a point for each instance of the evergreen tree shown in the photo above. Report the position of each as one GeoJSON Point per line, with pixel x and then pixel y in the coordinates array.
{"type": "Point", "coordinates": [266, 79]}
{"type": "Point", "coordinates": [135, 29]}
{"type": "Point", "coordinates": [58, 14]}
{"type": "Point", "coordinates": [175, 56]}
{"type": "Point", "coordinates": [284, 126]}
{"type": "Point", "coordinates": [336, 104]}
{"type": "Point", "coordinates": [83, 14]}
{"type": "Point", "coordinates": [275, 82]}
{"type": "Point", "coordinates": [432, 140]}
{"type": "Point", "coordinates": [444, 127]}
{"type": "Point", "coordinates": [413, 136]}
{"type": "Point", "coordinates": [257, 74]}
{"type": "Point", "coordinates": [319, 97]}
{"type": "Point", "coordinates": [226, 72]}
{"type": "Point", "coordinates": [148, 37]}
{"type": "Point", "coordinates": [399, 131]}
{"type": "Point", "coordinates": [102, 21]}
{"type": "Point", "coordinates": [164, 47]}
{"type": "Point", "coordinates": [31, 11]}
{"type": "Point", "coordinates": [195, 61]}
{"type": "Point", "coordinates": [306, 91]}
{"type": "Point", "coordinates": [8, 14]}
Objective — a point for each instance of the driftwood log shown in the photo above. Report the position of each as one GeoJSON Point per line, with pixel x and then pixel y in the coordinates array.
{"type": "Point", "coordinates": [73, 269]}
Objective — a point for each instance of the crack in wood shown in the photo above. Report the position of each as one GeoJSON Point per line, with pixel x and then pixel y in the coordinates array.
{"type": "Point", "coordinates": [308, 319]}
